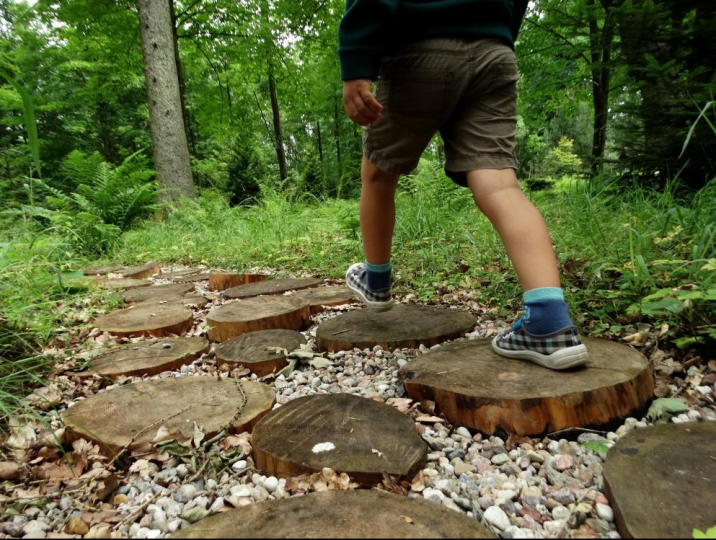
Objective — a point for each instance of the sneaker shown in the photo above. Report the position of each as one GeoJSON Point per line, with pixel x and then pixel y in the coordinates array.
{"type": "Point", "coordinates": [357, 281]}
{"type": "Point", "coordinates": [560, 350]}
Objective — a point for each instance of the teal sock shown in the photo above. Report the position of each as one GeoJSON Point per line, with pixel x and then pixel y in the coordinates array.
{"type": "Point", "coordinates": [379, 276]}
{"type": "Point", "coordinates": [546, 311]}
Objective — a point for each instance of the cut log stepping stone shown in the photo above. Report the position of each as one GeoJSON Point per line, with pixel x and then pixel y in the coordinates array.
{"type": "Point", "coordinates": [220, 281]}
{"type": "Point", "coordinates": [123, 284]}
{"type": "Point", "coordinates": [158, 292]}
{"type": "Point", "coordinates": [191, 278]}
{"type": "Point", "coordinates": [660, 480]}
{"type": "Point", "coordinates": [322, 297]}
{"type": "Point", "coordinates": [147, 320]}
{"type": "Point", "coordinates": [476, 388]}
{"type": "Point", "coordinates": [193, 301]}
{"type": "Point", "coordinates": [271, 286]}
{"type": "Point", "coordinates": [132, 415]}
{"type": "Point", "coordinates": [339, 514]}
{"type": "Point", "coordinates": [403, 326]}
{"type": "Point", "coordinates": [101, 270]}
{"type": "Point", "coordinates": [140, 272]}
{"type": "Point", "coordinates": [148, 357]}
{"type": "Point", "coordinates": [346, 433]}
{"type": "Point", "coordinates": [254, 314]}
{"type": "Point", "coordinates": [257, 350]}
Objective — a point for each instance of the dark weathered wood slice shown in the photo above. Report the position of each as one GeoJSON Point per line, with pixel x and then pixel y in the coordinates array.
{"type": "Point", "coordinates": [101, 270]}
{"type": "Point", "coordinates": [660, 480]}
{"type": "Point", "coordinates": [191, 278]}
{"type": "Point", "coordinates": [132, 415]}
{"type": "Point", "coordinates": [403, 326]}
{"type": "Point", "coordinates": [158, 292]}
{"type": "Point", "coordinates": [193, 301]}
{"type": "Point", "coordinates": [257, 350]}
{"type": "Point", "coordinates": [322, 297]}
{"type": "Point", "coordinates": [175, 274]}
{"type": "Point", "coordinates": [271, 286]}
{"type": "Point", "coordinates": [148, 357]}
{"type": "Point", "coordinates": [157, 321]}
{"type": "Point", "coordinates": [339, 514]}
{"type": "Point", "coordinates": [475, 387]}
{"type": "Point", "coordinates": [254, 314]}
{"type": "Point", "coordinates": [141, 272]}
{"type": "Point", "coordinates": [368, 438]}
{"type": "Point", "coordinates": [123, 284]}
{"type": "Point", "coordinates": [220, 281]}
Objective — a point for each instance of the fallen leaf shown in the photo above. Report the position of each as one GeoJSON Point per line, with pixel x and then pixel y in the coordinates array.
{"type": "Point", "coordinates": [242, 440]}
{"type": "Point", "coordinates": [408, 520]}
{"type": "Point", "coordinates": [430, 419]}
{"type": "Point", "coordinates": [418, 483]}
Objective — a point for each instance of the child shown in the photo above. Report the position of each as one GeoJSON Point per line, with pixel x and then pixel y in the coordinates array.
{"type": "Point", "coordinates": [449, 66]}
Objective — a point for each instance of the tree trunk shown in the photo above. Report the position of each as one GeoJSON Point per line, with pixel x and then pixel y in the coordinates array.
{"type": "Point", "coordinates": [182, 82]}
{"type": "Point", "coordinates": [320, 143]}
{"type": "Point", "coordinates": [171, 151]}
{"type": "Point", "coordinates": [280, 151]}
{"type": "Point", "coordinates": [337, 136]}
{"type": "Point", "coordinates": [600, 46]}
{"type": "Point", "coordinates": [104, 118]}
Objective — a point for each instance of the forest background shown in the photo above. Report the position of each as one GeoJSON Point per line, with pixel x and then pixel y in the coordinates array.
{"type": "Point", "coordinates": [617, 144]}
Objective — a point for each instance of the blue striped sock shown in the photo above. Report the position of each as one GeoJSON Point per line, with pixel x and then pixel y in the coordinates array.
{"type": "Point", "coordinates": [546, 311]}
{"type": "Point", "coordinates": [379, 276]}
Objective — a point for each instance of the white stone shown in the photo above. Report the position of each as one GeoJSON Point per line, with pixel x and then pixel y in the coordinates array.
{"type": "Point", "coordinates": [323, 447]}
{"type": "Point", "coordinates": [605, 512]}
{"type": "Point", "coordinates": [496, 517]}
{"type": "Point", "coordinates": [270, 484]}
{"type": "Point", "coordinates": [242, 491]}
{"type": "Point", "coordinates": [433, 495]}
{"type": "Point", "coordinates": [561, 513]}
{"type": "Point", "coordinates": [555, 529]}
{"type": "Point", "coordinates": [240, 465]}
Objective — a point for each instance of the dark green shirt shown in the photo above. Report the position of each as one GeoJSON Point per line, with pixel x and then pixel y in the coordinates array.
{"type": "Point", "coordinates": [372, 28]}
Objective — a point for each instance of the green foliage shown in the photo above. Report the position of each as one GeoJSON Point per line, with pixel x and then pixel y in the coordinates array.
{"type": "Point", "coordinates": [28, 109]}
{"type": "Point", "coordinates": [710, 533]}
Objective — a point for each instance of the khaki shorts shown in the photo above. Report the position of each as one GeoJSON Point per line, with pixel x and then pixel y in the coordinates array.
{"type": "Point", "coordinates": [464, 89]}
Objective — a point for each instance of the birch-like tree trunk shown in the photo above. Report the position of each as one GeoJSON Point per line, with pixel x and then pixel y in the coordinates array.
{"type": "Point", "coordinates": [171, 151]}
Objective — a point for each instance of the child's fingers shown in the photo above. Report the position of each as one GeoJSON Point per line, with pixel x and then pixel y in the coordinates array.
{"type": "Point", "coordinates": [363, 114]}
{"type": "Point", "coordinates": [370, 101]}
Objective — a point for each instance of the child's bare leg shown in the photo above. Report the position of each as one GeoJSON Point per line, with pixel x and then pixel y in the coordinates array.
{"type": "Point", "coordinates": [377, 212]}
{"type": "Point", "coordinates": [519, 224]}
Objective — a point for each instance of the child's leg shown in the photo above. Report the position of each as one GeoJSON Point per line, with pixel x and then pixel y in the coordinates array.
{"type": "Point", "coordinates": [371, 280]}
{"type": "Point", "coordinates": [377, 212]}
{"type": "Point", "coordinates": [519, 224]}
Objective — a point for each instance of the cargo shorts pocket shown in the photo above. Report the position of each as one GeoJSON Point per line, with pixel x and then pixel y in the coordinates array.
{"type": "Point", "coordinates": [418, 97]}
{"type": "Point", "coordinates": [501, 96]}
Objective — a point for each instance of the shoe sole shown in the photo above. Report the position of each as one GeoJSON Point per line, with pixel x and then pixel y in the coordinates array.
{"type": "Point", "coordinates": [569, 358]}
{"type": "Point", "coordinates": [370, 304]}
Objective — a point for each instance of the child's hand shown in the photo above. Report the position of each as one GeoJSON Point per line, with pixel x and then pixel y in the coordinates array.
{"type": "Point", "coordinates": [359, 102]}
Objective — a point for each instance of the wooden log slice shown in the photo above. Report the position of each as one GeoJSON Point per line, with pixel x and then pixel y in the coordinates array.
{"type": "Point", "coordinates": [255, 278]}
{"type": "Point", "coordinates": [660, 480]}
{"type": "Point", "coordinates": [271, 286]}
{"type": "Point", "coordinates": [132, 415]}
{"type": "Point", "coordinates": [148, 320]}
{"type": "Point", "coordinates": [141, 272]}
{"type": "Point", "coordinates": [339, 514]}
{"type": "Point", "coordinates": [158, 292]}
{"type": "Point", "coordinates": [403, 326]}
{"type": "Point", "coordinates": [148, 357]}
{"type": "Point", "coordinates": [476, 388]}
{"type": "Point", "coordinates": [322, 297]}
{"type": "Point", "coordinates": [176, 274]}
{"type": "Point", "coordinates": [194, 301]}
{"type": "Point", "coordinates": [220, 281]}
{"type": "Point", "coordinates": [256, 350]}
{"type": "Point", "coordinates": [193, 278]}
{"type": "Point", "coordinates": [254, 314]}
{"type": "Point", "coordinates": [123, 284]}
{"type": "Point", "coordinates": [101, 270]}
{"type": "Point", "coordinates": [346, 433]}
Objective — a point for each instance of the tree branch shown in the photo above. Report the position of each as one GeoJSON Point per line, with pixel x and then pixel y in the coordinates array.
{"type": "Point", "coordinates": [560, 37]}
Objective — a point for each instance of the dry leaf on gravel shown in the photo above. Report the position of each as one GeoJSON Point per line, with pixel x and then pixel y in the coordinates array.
{"type": "Point", "coordinates": [418, 483]}
{"type": "Point", "coordinates": [402, 404]}
{"type": "Point", "coordinates": [242, 440]}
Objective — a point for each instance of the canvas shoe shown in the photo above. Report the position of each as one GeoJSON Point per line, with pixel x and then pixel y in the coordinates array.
{"type": "Point", "coordinates": [561, 350]}
{"type": "Point", "coordinates": [357, 281]}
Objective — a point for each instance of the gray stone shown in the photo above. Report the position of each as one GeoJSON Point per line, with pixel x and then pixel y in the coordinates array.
{"type": "Point", "coordinates": [500, 459]}
{"type": "Point", "coordinates": [605, 512]}
{"type": "Point", "coordinates": [555, 529]}
{"type": "Point", "coordinates": [185, 493]}
{"type": "Point", "coordinates": [195, 514]}
{"type": "Point", "coordinates": [561, 513]}
{"type": "Point", "coordinates": [34, 526]}
{"type": "Point", "coordinates": [433, 495]}
{"type": "Point", "coordinates": [496, 517]}
{"type": "Point", "coordinates": [449, 503]}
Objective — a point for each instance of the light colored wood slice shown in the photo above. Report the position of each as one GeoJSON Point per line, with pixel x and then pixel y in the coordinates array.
{"type": "Point", "coordinates": [194, 301]}
{"type": "Point", "coordinates": [660, 480]}
{"type": "Point", "coordinates": [148, 357]}
{"type": "Point", "coordinates": [339, 514]}
{"type": "Point", "coordinates": [175, 274]}
{"type": "Point", "coordinates": [254, 314]}
{"type": "Point", "coordinates": [123, 284]}
{"type": "Point", "coordinates": [322, 297]}
{"type": "Point", "coordinates": [256, 350]}
{"type": "Point", "coordinates": [193, 278]}
{"type": "Point", "coordinates": [141, 272]}
{"type": "Point", "coordinates": [158, 292]}
{"type": "Point", "coordinates": [403, 326]}
{"type": "Point", "coordinates": [220, 281]}
{"type": "Point", "coordinates": [474, 387]}
{"type": "Point", "coordinates": [271, 286]}
{"type": "Point", "coordinates": [101, 270]}
{"type": "Point", "coordinates": [157, 321]}
{"type": "Point", "coordinates": [368, 438]}
{"type": "Point", "coordinates": [133, 414]}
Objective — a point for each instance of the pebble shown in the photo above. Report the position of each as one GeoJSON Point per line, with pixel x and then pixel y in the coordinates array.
{"type": "Point", "coordinates": [605, 512]}
{"type": "Point", "coordinates": [270, 484]}
{"type": "Point", "coordinates": [501, 459]}
{"type": "Point", "coordinates": [433, 495]}
{"type": "Point", "coordinates": [496, 517]}
{"type": "Point", "coordinates": [564, 463]}
{"type": "Point", "coordinates": [240, 465]}
{"type": "Point", "coordinates": [561, 513]}
{"type": "Point", "coordinates": [449, 503]}
{"type": "Point", "coordinates": [185, 493]}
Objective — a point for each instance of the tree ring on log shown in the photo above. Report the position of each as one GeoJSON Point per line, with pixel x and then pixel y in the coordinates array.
{"type": "Point", "coordinates": [257, 350]}
{"type": "Point", "coordinates": [322, 297]}
{"type": "Point", "coordinates": [271, 286]}
{"type": "Point", "coordinates": [148, 320]}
